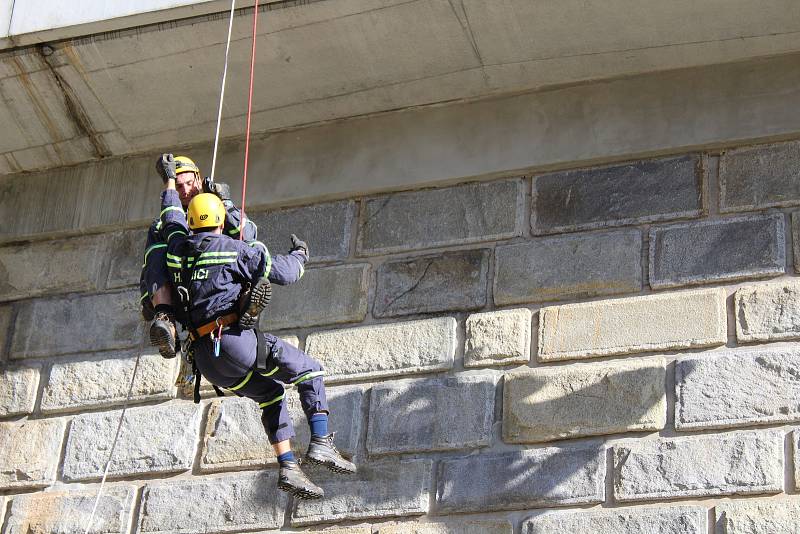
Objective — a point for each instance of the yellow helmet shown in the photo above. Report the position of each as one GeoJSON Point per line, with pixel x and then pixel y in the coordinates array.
{"type": "Point", "coordinates": [206, 211]}
{"type": "Point", "coordinates": [184, 164]}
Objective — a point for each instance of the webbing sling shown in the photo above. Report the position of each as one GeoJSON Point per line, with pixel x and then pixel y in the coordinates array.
{"type": "Point", "coordinates": [261, 351]}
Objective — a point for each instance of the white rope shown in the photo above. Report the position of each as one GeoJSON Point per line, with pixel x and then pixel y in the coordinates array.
{"type": "Point", "coordinates": [113, 446]}
{"type": "Point", "coordinates": [222, 91]}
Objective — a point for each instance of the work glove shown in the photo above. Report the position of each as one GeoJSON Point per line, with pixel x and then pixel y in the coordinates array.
{"type": "Point", "coordinates": [165, 165]}
{"type": "Point", "coordinates": [297, 244]}
{"type": "Point", "coordinates": [223, 191]}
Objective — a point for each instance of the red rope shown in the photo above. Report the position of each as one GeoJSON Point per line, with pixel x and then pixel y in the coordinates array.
{"type": "Point", "coordinates": [249, 112]}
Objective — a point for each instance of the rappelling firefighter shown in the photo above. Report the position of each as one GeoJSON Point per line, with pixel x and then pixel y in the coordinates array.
{"type": "Point", "coordinates": [156, 289]}
{"type": "Point", "coordinates": [222, 285]}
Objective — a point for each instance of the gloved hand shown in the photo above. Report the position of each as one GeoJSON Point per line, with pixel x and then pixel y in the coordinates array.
{"type": "Point", "coordinates": [165, 166]}
{"type": "Point", "coordinates": [297, 244]}
{"type": "Point", "coordinates": [223, 191]}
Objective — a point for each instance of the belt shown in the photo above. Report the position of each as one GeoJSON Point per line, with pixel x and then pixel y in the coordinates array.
{"type": "Point", "coordinates": [207, 328]}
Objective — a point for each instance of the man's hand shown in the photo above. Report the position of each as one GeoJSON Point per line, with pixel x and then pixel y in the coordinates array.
{"type": "Point", "coordinates": [165, 165]}
{"type": "Point", "coordinates": [223, 191]}
{"type": "Point", "coordinates": [297, 244]}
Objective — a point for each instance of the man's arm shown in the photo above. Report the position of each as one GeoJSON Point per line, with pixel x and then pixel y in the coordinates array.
{"type": "Point", "coordinates": [172, 216]}
{"type": "Point", "coordinates": [289, 268]}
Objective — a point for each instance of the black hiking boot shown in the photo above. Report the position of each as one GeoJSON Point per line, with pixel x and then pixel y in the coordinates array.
{"type": "Point", "coordinates": [322, 451]}
{"type": "Point", "coordinates": [162, 334]}
{"type": "Point", "coordinates": [293, 481]}
{"type": "Point", "coordinates": [255, 302]}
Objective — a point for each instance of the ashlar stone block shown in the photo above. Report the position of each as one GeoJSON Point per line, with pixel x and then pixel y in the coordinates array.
{"type": "Point", "coordinates": [115, 324]}
{"type": "Point", "coordinates": [498, 338]}
{"type": "Point", "coordinates": [431, 415]}
{"type": "Point", "coordinates": [752, 387]}
{"type": "Point", "coordinates": [768, 312]}
{"type": "Point", "coordinates": [567, 267]}
{"type": "Point", "coordinates": [462, 214]}
{"type": "Point", "coordinates": [546, 404]}
{"type": "Point", "coordinates": [796, 457]}
{"type": "Point", "coordinates": [796, 240]}
{"type": "Point", "coordinates": [233, 503]}
{"type": "Point", "coordinates": [5, 333]}
{"type": "Point", "coordinates": [325, 227]}
{"type": "Point", "coordinates": [661, 520]}
{"type": "Point", "coordinates": [713, 251]}
{"type": "Point", "coordinates": [328, 295]}
{"type": "Point", "coordinates": [385, 350]}
{"type": "Point", "coordinates": [464, 526]}
{"type": "Point", "coordinates": [159, 439]}
{"type": "Point", "coordinates": [18, 390]}
{"type": "Point", "coordinates": [630, 193]}
{"type": "Point", "coordinates": [106, 382]}
{"type": "Point", "coordinates": [760, 177]}
{"type": "Point", "coordinates": [48, 267]}
{"type": "Point", "coordinates": [450, 281]}
{"type": "Point", "coordinates": [737, 463]}
{"type": "Point", "coordinates": [758, 516]}
{"type": "Point", "coordinates": [235, 438]}
{"type": "Point", "coordinates": [31, 452]}
{"type": "Point", "coordinates": [126, 256]}
{"type": "Point", "coordinates": [69, 512]}
{"type": "Point", "coordinates": [667, 321]}
{"type": "Point", "coordinates": [378, 490]}
{"type": "Point", "coordinates": [534, 478]}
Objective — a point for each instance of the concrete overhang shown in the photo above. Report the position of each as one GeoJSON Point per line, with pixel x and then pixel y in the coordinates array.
{"type": "Point", "coordinates": [152, 83]}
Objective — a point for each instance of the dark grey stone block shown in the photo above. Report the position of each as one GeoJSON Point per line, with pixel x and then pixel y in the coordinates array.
{"type": "Point", "coordinates": [760, 177]}
{"type": "Point", "coordinates": [77, 324]}
{"type": "Point", "coordinates": [126, 256]}
{"type": "Point", "coordinates": [632, 193]}
{"type": "Point", "coordinates": [450, 281]}
{"type": "Point", "coordinates": [454, 413]}
{"type": "Point", "coordinates": [532, 478]}
{"type": "Point", "coordinates": [796, 240]}
{"type": "Point", "coordinates": [438, 217]}
{"type": "Point", "coordinates": [556, 268]}
{"type": "Point", "coordinates": [328, 295]}
{"type": "Point", "coordinates": [325, 227]}
{"type": "Point", "coordinates": [712, 251]}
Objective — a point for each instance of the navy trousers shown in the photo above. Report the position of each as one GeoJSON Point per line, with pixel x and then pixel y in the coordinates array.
{"type": "Point", "coordinates": [234, 369]}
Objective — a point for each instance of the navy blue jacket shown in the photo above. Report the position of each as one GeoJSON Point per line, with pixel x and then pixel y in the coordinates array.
{"type": "Point", "coordinates": [215, 268]}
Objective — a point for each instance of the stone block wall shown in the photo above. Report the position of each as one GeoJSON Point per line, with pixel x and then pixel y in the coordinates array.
{"type": "Point", "coordinates": [597, 350]}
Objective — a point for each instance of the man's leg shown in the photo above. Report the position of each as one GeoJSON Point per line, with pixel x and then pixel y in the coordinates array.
{"type": "Point", "coordinates": [156, 280]}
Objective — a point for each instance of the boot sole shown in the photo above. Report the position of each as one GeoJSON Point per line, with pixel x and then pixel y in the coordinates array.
{"type": "Point", "coordinates": [331, 465]}
{"type": "Point", "coordinates": [261, 295]}
{"type": "Point", "coordinates": [159, 338]}
{"type": "Point", "coordinates": [300, 493]}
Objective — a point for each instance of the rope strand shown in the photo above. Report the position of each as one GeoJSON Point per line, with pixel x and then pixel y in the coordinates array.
{"type": "Point", "coordinates": [222, 91]}
{"type": "Point", "coordinates": [249, 113]}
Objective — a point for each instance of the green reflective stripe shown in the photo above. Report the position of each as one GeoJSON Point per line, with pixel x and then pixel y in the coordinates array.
{"type": "Point", "coordinates": [308, 376]}
{"type": "Point", "coordinates": [174, 265]}
{"type": "Point", "coordinates": [242, 383]}
{"type": "Point", "coordinates": [302, 270]}
{"type": "Point", "coordinates": [158, 225]}
{"type": "Point", "coordinates": [169, 208]}
{"type": "Point", "coordinates": [215, 262]}
{"type": "Point", "coordinates": [143, 297]}
{"type": "Point", "coordinates": [218, 254]}
{"type": "Point", "coordinates": [151, 249]}
{"type": "Point", "coordinates": [269, 264]}
{"type": "Point", "coordinates": [270, 373]}
{"type": "Point", "coordinates": [175, 232]}
{"type": "Point", "coordinates": [270, 403]}
{"type": "Point", "coordinates": [233, 231]}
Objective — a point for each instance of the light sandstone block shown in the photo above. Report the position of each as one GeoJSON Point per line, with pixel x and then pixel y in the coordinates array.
{"type": "Point", "coordinates": [431, 415]}
{"type": "Point", "coordinates": [46, 327]}
{"type": "Point", "coordinates": [232, 503]}
{"type": "Point", "coordinates": [378, 490]}
{"type": "Point", "coordinates": [235, 438]}
{"type": "Point", "coordinates": [385, 349]}
{"type": "Point", "coordinates": [31, 451]}
{"type": "Point", "coordinates": [661, 520]}
{"type": "Point", "coordinates": [745, 388]}
{"type": "Point", "coordinates": [498, 338]}
{"type": "Point", "coordinates": [768, 312]}
{"type": "Point", "coordinates": [159, 439]}
{"type": "Point", "coordinates": [545, 404]}
{"type": "Point", "coordinates": [106, 382]}
{"type": "Point", "coordinates": [736, 463]}
{"type": "Point", "coordinates": [534, 478]}
{"type": "Point", "coordinates": [667, 321]}
{"type": "Point", "coordinates": [68, 512]}
{"type": "Point", "coordinates": [796, 455]}
{"type": "Point", "coordinates": [758, 516]}
{"type": "Point", "coordinates": [18, 390]}
{"type": "Point", "coordinates": [464, 526]}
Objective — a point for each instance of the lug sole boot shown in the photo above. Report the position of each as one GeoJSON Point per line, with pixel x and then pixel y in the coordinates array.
{"type": "Point", "coordinates": [257, 300]}
{"type": "Point", "coordinates": [293, 481]}
{"type": "Point", "coordinates": [322, 451]}
{"type": "Point", "coordinates": [162, 334]}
